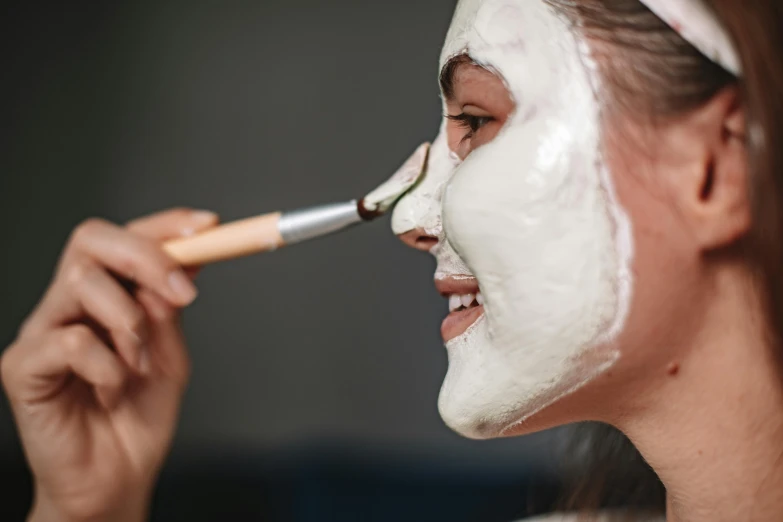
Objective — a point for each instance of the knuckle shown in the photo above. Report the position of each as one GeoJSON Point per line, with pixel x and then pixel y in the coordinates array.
{"type": "Point", "coordinates": [27, 328]}
{"type": "Point", "coordinates": [12, 367]}
{"type": "Point", "coordinates": [76, 339]}
{"type": "Point", "coordinates": [86, 229]}
{"type": "Point", "coordinates": [180, 212]}
{"type": "Point", "coordinates": [75, 275]}
{"type": "Point", "coordinates": [128, 264]}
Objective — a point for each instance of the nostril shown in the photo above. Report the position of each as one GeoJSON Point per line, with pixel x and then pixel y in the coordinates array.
{"type": "Point", "coordinates": [419, 240]}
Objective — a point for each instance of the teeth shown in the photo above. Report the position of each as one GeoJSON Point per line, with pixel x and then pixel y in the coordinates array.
{"type": "Point", "coordinates": [459, 302]}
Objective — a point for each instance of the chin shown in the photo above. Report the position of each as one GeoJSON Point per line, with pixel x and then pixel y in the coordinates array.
{"type": "Point", "coordinates": [474, 416]}
{"type": "Point", "coordinates": [491, 393]}
{"type": "Point", "coordinates": [469, 418]}
{"type": "Point", "coordinates": [470, 424]}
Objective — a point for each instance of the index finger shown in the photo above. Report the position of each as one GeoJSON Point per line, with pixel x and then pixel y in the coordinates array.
{"type": "Point", "coordinates": [173, 223]}
{"type": "Point", "coordinates": [131, 256]}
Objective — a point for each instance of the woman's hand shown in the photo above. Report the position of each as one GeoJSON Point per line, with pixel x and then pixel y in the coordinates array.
{"type": "Point", "coordinates": [97, 373]}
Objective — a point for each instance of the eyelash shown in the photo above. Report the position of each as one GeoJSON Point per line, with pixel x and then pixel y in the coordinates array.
{"type": "Point", "coordinates": [470, 123]}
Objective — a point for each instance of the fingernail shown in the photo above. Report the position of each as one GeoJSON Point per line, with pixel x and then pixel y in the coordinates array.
{"type": "Point", "coordinates": [182, 287]}
{"type": "Point", "coordinates": [203, 217]}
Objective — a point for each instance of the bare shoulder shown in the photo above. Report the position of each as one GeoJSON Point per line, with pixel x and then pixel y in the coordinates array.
{"type": "Point", "coordinates": [609, 516]}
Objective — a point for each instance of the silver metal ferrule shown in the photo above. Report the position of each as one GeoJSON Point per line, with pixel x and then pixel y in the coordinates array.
{"type": "Point", "coordinates": [309, 223]}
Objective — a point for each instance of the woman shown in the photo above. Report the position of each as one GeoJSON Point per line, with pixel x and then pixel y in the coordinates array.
{"type": "Point", "coordinates": [603, 202]}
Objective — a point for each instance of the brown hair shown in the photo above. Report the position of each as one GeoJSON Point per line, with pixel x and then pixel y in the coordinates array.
{"type": "Point", "coordinates": [653, 72]}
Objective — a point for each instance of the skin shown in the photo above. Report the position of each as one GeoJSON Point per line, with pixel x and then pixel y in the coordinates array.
{"type": "Point", "coordinates": [96, 423]}
{"type": "Point", "coordinates": [698, 388]}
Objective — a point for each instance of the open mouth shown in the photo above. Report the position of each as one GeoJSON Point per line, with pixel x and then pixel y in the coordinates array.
{"type": "Point", "coordinates": [466, 304]}
{"type": "Point", "coordinates": [459, 303]}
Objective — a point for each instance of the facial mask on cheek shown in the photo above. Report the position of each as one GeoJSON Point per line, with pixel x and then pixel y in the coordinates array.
{"type": "Point", "coordinates": [534, 216]}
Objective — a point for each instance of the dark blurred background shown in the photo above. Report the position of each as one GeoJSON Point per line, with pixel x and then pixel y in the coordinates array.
{"type": "Point", "coordinates": [316, 368]}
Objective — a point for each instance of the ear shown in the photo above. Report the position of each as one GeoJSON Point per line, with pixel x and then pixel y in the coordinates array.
{"type": "Point", "coordinates": [716, 200]}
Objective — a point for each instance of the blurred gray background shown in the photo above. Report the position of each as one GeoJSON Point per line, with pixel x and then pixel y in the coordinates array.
{"type": "Point", "coordinates": [118, 109]}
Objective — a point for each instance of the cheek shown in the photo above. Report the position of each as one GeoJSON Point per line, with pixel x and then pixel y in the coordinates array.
{"type": "Point", "coordinates": [537, 233]}
{"type": "Point", "coordinates": [665, 269]}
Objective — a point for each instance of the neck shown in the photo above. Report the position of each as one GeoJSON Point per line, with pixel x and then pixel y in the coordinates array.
{"type": "Point", "coordinates": [714, 431]}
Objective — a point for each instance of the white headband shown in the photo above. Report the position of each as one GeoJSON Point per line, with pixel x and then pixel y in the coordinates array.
{"type": "Point", "coordinates": [697, 24]}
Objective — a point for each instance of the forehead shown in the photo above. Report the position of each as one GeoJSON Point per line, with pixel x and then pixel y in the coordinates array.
{"type": "Point", "coordinates": [480, 25]}
{"type": "Point", "coordinates": [536, 51]}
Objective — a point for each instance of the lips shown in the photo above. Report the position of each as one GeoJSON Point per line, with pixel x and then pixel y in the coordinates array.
{"type": "Point", "coordinates": [466, 304]}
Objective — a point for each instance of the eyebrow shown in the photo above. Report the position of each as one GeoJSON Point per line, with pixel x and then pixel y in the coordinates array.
{"type": "Point", "coordinates": [449, 72]}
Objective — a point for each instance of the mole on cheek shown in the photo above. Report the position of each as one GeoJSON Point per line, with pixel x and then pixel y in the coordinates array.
{"type": "Point", "coordinates": [673, 369]}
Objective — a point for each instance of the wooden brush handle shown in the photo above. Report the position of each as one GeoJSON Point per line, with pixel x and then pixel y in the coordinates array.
{"type": "Point", "coordinates": [229, 241]}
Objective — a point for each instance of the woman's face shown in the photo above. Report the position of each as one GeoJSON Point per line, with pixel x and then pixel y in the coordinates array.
{"type": "Point", "coordinates": [533, 243]}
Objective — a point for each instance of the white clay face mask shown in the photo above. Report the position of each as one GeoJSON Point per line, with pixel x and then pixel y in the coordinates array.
{"type": "Point", "coordinates": [533, 216]}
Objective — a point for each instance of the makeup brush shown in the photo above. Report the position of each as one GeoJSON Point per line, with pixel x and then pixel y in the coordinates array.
{"type": "Point", "coordinates": [272, 231]}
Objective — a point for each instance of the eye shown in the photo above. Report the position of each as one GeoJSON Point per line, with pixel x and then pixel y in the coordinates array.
{"type": "Point", "coordinates": [472, 124]}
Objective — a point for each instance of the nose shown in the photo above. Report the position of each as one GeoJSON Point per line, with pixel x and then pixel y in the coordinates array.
{"type": "Point", "coordinates": [417, 216]}
{"type": "Point", "coordinates": [419, 239]}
